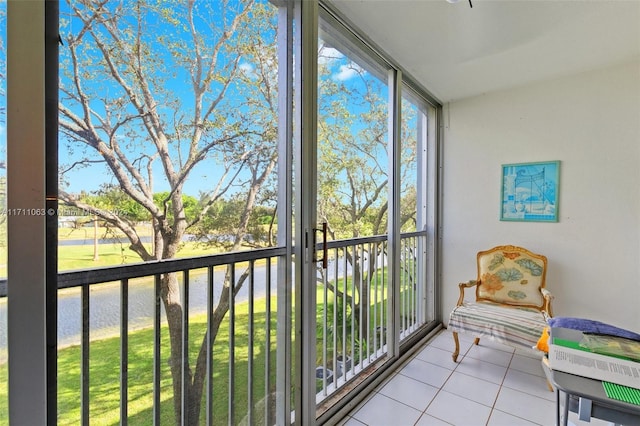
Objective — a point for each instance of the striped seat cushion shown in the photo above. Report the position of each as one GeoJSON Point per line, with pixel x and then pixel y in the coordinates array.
{"type": "Point", "coordinates": [508, 325]}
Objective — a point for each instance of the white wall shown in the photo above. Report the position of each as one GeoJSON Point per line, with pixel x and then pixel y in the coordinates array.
{"type": "Point", "coordinates": [591, 123]}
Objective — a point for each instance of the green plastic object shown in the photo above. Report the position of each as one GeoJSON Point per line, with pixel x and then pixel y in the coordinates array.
{"type": "Point", "coordinates": [622, 393]}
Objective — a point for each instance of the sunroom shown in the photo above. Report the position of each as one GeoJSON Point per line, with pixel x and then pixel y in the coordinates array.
{"type": "Point", "coordinates": [231, 218]}
{"type": "Point", "coordinates": [233, 212]}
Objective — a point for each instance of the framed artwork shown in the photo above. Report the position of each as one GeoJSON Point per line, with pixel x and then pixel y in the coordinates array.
{"type": "Point", "coordinates": [530, 192]}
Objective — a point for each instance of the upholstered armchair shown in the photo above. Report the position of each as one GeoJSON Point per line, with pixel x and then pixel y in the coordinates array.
{"type": "Point", "coordinates": [511, 303]}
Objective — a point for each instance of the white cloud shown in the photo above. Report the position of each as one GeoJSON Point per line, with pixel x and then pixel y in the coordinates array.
{"type": "Point", "coordinates": [247, 68]}
{"type": "Point", "coordinates": [347, 71]}
{"type": "Point", "coordinates": [328, 54]}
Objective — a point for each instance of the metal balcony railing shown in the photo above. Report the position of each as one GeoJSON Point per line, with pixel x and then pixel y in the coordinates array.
{"type": "Point", "coordinates": [115, 321]}
{"type": "Point", "coordinates": [245, 340]}
{"type": "Point", "coordinates": [352, 321]}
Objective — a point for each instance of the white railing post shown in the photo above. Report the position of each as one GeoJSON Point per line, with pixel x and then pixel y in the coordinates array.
{"type": "Point", "coordinates": [284, 345]}
{"type": "Point", "coordinates": [393, 247]}
{"type": "Point", "coordinates": [305, 157]}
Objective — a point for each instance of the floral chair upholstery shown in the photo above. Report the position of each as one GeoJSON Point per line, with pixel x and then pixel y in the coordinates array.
{"type": "Point", "coordinates": [511, 305]}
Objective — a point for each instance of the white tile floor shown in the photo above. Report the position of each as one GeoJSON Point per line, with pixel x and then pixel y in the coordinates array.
{"type": "Point", "coordinates": [491, 385]}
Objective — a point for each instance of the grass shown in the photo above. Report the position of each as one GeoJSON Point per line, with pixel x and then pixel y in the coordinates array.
{"type": "Point", "coordinates": [72, 257]}
{"type": "Point", "coordinates": [105, 353]}
{"type": "Point", "coordinates": [377, 306]}
{"type": "Point", "coordinates": [81, 256]}
{"type": "Point", "coordinates": [104, 391]}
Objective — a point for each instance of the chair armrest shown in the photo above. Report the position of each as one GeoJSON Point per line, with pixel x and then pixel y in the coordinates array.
{"type": "Point", "coordinates": [462, 286]}
{"type": "Point", "coordinates": [548, 298]}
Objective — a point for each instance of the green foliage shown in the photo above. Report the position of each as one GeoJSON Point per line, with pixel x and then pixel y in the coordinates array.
{"type": "Point", "coordinates": [352, 155]}
{"type": "Point", "coordinates": [352, 148]}
{"type": "Point", "coordinates": [113, 199]}
{"type": "Point", "coordinates": [190, 204]}
{"type": "Point", "coordinates": [341, 312]}
{"type": "Point", "coordinates": [209, 71]}
{"type": "Point", "coordinates": [219, 227]}
{"type": "Point", "coordinates": [191, 87]}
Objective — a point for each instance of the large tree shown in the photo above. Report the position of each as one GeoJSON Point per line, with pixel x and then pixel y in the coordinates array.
{"type": "Point", "coordinates": [156, 93]}
{"type": "Point", "coordinates": [353, 165]}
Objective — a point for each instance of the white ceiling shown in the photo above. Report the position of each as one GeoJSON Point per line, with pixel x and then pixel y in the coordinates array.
{"type": "Point", "coordinates": [456, 51]}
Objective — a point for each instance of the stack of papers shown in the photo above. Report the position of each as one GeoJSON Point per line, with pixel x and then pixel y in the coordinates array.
{"type": "Point", "coordinates": [567, 354]}
{"type": "Point", "coordinates": [612, 346]}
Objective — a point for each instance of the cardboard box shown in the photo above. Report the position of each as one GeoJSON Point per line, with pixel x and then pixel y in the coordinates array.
{"type": "Point", "coordinates": [565, 355]}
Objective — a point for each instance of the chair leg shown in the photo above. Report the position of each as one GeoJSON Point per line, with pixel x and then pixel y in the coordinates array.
{"type": "Point", "coordinates": [476, 341]}
{"type": "Point", "coordinates": [457, 350]}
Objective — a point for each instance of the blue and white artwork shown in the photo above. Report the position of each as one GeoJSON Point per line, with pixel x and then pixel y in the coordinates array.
{"type": "Point", "coordinates": [530, 192]}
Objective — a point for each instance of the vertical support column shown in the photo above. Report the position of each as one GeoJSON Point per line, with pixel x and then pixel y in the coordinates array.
{"type": "Point", "coordinates": [26, 310]}
{"type": "Point", "coordinates": [51, 63]}
{"type": "Point", "coordinates": [424, 294]}
{"type": "Point", "coordinates": [393, 249]}
{"type": "Point", "coordinates": [284, 345]}
{"type": "Point", "coordinates": [305, 158]}
{"type": "Point", "coordinates": [435, 139]}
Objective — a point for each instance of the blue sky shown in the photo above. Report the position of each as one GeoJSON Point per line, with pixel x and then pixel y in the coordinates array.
{"type": "Point", "coordinates": [91, 178]}
{"type": "Point", "coordinates": [176, 80]}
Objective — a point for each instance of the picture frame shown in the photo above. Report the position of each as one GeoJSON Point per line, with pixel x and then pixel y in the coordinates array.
{"type": "Point", "coordinates": [530, 192]}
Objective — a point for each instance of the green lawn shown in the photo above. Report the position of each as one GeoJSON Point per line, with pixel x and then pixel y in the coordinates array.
{"type": "Point", "coordinates": [105, 373]}
{"type": "Point", "coordinates": [82, 256]}
{"type": "Point", "coordinates": [105, 356]}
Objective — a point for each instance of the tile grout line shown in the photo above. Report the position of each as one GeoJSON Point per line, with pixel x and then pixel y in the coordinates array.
{"type": "Point", "coordinates": [443, 384]}
{"type": "Point", "coordinates": [493, 406]}
{"type": "Point", "coordinates": [510, 367]}
{"type": "Point", "coordinates": [502, 385]}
